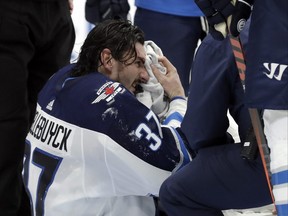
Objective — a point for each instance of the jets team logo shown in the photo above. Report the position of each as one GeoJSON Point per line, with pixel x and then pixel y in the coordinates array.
{"type": "Point", "coordinates": [108, 91]}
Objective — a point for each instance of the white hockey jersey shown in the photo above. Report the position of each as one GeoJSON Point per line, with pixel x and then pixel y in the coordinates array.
{"type": "Point", "coordinates": [93, 149]}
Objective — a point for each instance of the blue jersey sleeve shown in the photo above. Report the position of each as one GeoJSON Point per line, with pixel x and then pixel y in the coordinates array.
{"type": "Point", "coordinates": [137, 129]}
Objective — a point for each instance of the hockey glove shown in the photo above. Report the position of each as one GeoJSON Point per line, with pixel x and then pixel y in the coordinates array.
{"type": "Point", "coordinates": [217, 13]}
{"type": "Point", "coordinates": [99, 10]}
{"type": "Point", "coordinates": [240, 16]}
{"type": "Point", "coordinates": [225, 14]}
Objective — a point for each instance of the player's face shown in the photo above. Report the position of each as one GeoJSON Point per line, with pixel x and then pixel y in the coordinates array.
{"type": "Point", "coordinates": [132, 74]}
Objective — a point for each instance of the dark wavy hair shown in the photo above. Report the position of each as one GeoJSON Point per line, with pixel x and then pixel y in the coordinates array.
{"type": "Point", "coordinates": [118, 35]}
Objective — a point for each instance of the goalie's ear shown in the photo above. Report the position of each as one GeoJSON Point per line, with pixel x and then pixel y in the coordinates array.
{"type": "Point", "coordinates": [106, 59]}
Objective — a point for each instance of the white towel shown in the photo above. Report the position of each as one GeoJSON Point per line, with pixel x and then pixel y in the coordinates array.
{"type": "Point", "coordinates": [153, 93]}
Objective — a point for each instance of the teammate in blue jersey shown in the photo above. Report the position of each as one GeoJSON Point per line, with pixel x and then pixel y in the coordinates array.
{"type": "Point", "coordinates": [267, 87]}
{"type": "Point", "coordinates": [93, 148]}
{"type": "Point", "coordinates": [217, 178]}
{"type": "Point", "coordinates": [267, 73]}
{"type": "Point", "coordinates": [176, 27]}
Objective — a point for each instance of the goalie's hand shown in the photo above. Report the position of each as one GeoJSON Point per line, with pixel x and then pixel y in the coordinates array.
{"type": "Point", "coordinates": [170, 81]}
{"type": "Point", "coordinates": [225, 15]}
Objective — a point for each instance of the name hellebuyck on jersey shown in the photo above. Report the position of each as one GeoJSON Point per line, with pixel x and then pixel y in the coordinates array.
{"type": "Point", "coordinates": [50, 132]}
